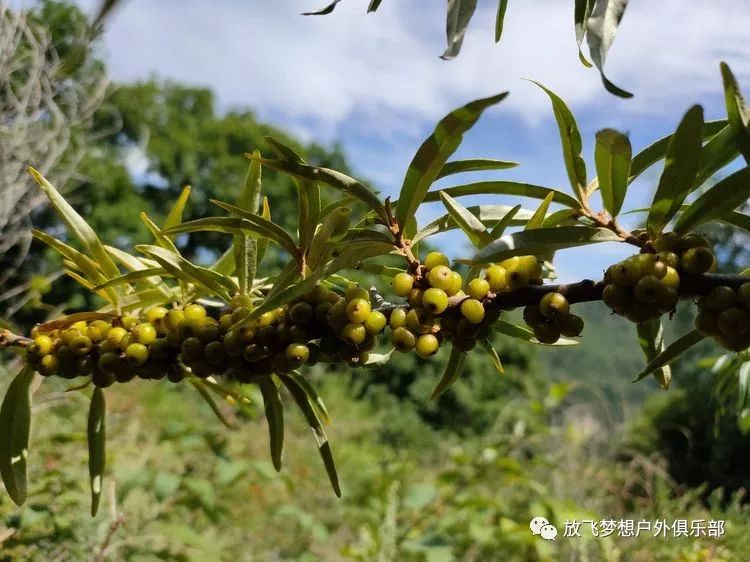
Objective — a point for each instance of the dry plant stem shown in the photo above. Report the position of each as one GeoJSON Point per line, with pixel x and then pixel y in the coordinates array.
{"type": "Point", "coordinates": [603, 220]}
{"type": "Point", "coordinates": [9, 339]}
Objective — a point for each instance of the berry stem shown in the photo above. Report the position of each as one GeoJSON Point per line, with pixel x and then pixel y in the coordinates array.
{"type": "Point", "coordinates": [604, 220]}
{"type": "Point", "coordinates": [9, 339]}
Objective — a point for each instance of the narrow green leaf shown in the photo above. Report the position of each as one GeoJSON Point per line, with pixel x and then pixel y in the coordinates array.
{"type": "Point", "coordinates": [718, 152]}
{"type": "Point", "coordinates": [680, 169]}
{"type": "Point", "coordinates": [201, 388]}
{"type": "Point", "coordinates": [308, 193]}
{"type": "Point", "coordinates": [471, 225]}
{"type": "Point", "coordinates": [263, 242]}
{"type": "Point", "coordinates": [84, 263]}
{"type": "Point", "coordinates": [15, 426]}
{"type": "Point", "coordinates": [245, 249]}
{"type": "Point", "coordinates": [737, 112]}
{"type": "Point", "coordinates": [743, 383]}
{"type": "Point", "coordinates": [502, 6]}
{"type": "Point", "coordinates": [312, 394]}
{"type": "Point", "coordinates": [490, 215]}
{"type": "Point", "coordinates": [225, 264]}
{"type": "Point", "coordinates": [77, 226]}
{"type": "Point", "coordinates": [70, 319]}
{"type": "Point", "coordinates": [613, 155]}
{"type": "Point", "coordinates": [332, 178]}
{"type": "Point", "coordinates": [541, 240]}
{"type": "Point", "coordinates": [499, 229]}
{"type": "Point", "coordinates": [184, 270]}
{"type": "Point", "coordinates": [651, 340]}
{"type": "Point", "coordinates": [672, 352]}
{"type": "Point", "coordinates": [97, 438]}
{"type": "Point", "coordinates": [570, 138]}
{"type": "Point", "coordinates": [494, 357]}
{"type": "Point", "coordinates": [717, 202]}
{"type": "Point", "coordinates": [537, 219]}
{"type": "Point", "coordinates": [275, 417]}
{"type": "Point", "coordinates": [434, 153]}
{"type": "Point", "coordinates": [323, 11]}
{"type": "Point", "coordinates": [335, 224]}
{"type": "Point", "coordinates": [175, 213]}
{"type": "Point", "coordinates": [738, 220]}
{"type": "Point", "coordinates": [230, 225]}
{"type": "Point", "coordinates": [581, 18]}
{"type": "Point", "coordinates": [657, 150]}
{"type": "Point", "coordinates": [451, 373]}
{"type": "Point", "coordinates": [526, 335]}
{"type": "Point", "coordinates": [474, 165]}
{"type": "Point", "coordinates": [459, 16]}
{"type": "Point", "coordinates": [321, 439]}
{"type": "Point", "coordinates": [602, 27]}
{"type": "Point", "coordinates": [159, 236]}
{"type": "Point", "coordinates": [374, 5]}
{"type": "Point", "coordinates": [151, 274]}
{"type": "Point", "coordinates": [504, 188]}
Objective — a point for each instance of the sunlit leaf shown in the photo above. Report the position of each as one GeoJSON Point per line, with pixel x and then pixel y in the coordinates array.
{"type": "Point", "coordinates": [459, 16]}
{"type": "Point", "coordinates": [175, 213]}
{"type": "Point", "coordinates": [602, 27]}
{"type": "Point", "coordinates": [70, 319]}
{"type": "Point", "coordinates": [312, 395]}
{"type": "Point", "coordinates": [321, 439]}
{"type": "Point", "coordinates": [97, 440]}
{"type": "Point", "coordinates": [718, 152]}
{"type": "Point", "coordinates": [537, 219]}
{"type": "Point", "coordinates": [541, 240]}
{"type": "Point", "coordinates": [651, 340]}
{"type": "Point", "coordinates": [374, 5]}
{"type": "Point", "coordinates": [507, 220]}
{"type": "Point", "coordinates": [15, 427]}
{"type": "Point", "coordinates": [150, 274]}
{"type": "Point", "coordinates": [492, 354]}
{"type": "Point", "coordinates": [490, 215]}
{"type": "Point", "coordinates": [581, 18]}
{"type": "Point", "coordinates": [570, 138]}
{"type": "Point", "coordinates": [471, 225]}
{"type": "Point", "coordinates": [502, 6]}
{"type": "Point", "coordinates": [671, 353]}
{"type": "Point", "coordinates": [680, 169]}
{"type": "Point", "coordinates": [612, 155]}
{"type": "Point", "coordinates": [737, 112]}
{"type": "Point", "coordinates": [504, 188]}
{"type": "Point", "coordinates": [736, 219]}
{"type": "Point", "coordinates": [717, 202]}
{"type": "Point", "coordinates": [474, 165]}
{"type": "Point", "coordinates": [452, 371]}
{"type": "Point", "coordinates": [434, 153]}
{"type": "Point", "coordinates": [245, 248]}
{"type": "Point", "coordinates": [323, 11]}
{"type": "Point", "coordinates": [200, 387]}
{"type": "Point", "coordinates": [275, 418]}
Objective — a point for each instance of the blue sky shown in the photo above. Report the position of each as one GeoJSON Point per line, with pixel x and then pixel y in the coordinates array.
{"type": "Point", "coordinates": [376, 84]}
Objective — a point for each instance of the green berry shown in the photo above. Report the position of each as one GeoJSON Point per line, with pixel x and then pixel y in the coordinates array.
{"type": "Point", "coordinates": [415, 297]}
{"type": "Point", "coordinates": [669, 258]}
{"type": "Point", "coordinates": [357, 310]}
{"type": "Point", "coordinates": [144, 333]}
{"type": "Point", "coordinates": [435, 300]}
{"type": "Point", "coordinates": [192, 350]}
{"type": "Point", "coordinates": [240, 301]}
{"type": "Point", "coordinates": [441, 277]}
{"type": "Point", "coordinates": [156, 314]}
{"type": "Point", "coordinates": [554, 306]}
{"type": "Point", "coordinates": [456, 282]}
{"type": "Point", "coordinates": [353, 333]}
{"type": "Point", "coordinates": [706, 323]}
{"type": "Point", "coordinates": [496, 277]}
{"type": "Point", "coordinates": [136, 354]}
{"type": "Point", "coordinates": [472, 310]}
{"type": "Point", "coordinates": [667, 300]}
{"type": "Point", "coordinates": [357, 292]}
{"type": "Point", "coordinates": [160, 349]}
{"type": "Point", "coordinates": [402, 284]}
{"type": "Point", "coordinates": [418, 321]}
{"type": "Point", "coordinates": [648, 289]}
{"type": "Point", "coordinates": [667, 241]}
{"type": "Point", "coordinates": [651, 265]}
{"type": "Point", "coordinates": [547, 333]}
{"type": "Point", "coordinates": [174, 318]}
{"type": "Point", "coordinates": [194, 312]}
{"type": "Point", "coordinates": [81, 345]}
{"type": "Point", "coordinates": [697, 261]}
{"type": "Point", "coordinates": [531, 265]}
{"type": "Point", "coordinates": [397, 319]}
{"type": "Point", "coordinates": [626, 273]}
{"type": "Point", "coordinates": [403, 340]}
{"type": "Point", "coordinates": [301, 313]}
{"type": "Point", "coordinates": [115, 335]}
{"type": "Point", "coordinates": [427, 345]}
{"type": "Point", "coordinates": [128, 322]}
{"type": "Point", "coordinates": [615, 296]}
{"type": "Point", "coordinates": [478, 288]}
{"type": "Point", "coordinates": [692, 240]}
{"type": "Point", "coordinates": [734, 322]}
{"type": "Point", "coordinates": [638, 312]}
{"type": "Point", "coordinates": [318, 295]}
{"type": "Point", "coordinates": [214, 353]}
{"type": "Point", "coordinates": [435, 259]}
{"type": "Point", "coordinates": [209, 332]}
{"type": "Point", "coordinates": [720, 298]}
{"type": "Point", "coordinates": [43, 345]}
{"type": "Point", "coordinates": [266, 319]}
{"type": "Point", "coordinates": [671, 279]}
{"type": "Point", "coordinates": [517, 278]}
{"type": "Point", "coordinates": [375, 323]}
{"type": "Point", "coordinates": [49, 365]}
{"type": "Point", "coordinates": [533, 316]}
{"type": "Point", "coordinates": [571, 326]}
{"type": "Point", "coordinates": [297, 353]}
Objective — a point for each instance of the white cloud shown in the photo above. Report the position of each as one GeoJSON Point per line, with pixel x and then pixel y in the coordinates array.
{"type": "Point", "coordinates": [382, 71]}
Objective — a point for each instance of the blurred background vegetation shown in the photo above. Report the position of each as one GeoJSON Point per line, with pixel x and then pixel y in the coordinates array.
{"type": "Point", "coordinates": [562, 434]}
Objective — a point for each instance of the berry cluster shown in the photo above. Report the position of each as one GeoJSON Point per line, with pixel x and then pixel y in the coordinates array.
{"type": "Point", "coordinates": [724, 314]}
{"type": "Point", "coordinates": [551, 318]}
{"type": "Point", "coordinates": [162, 342]}
{"type": "Point", "coordinates": [430, 319]}
{"type": "Point", "coordinates": [645, 286]}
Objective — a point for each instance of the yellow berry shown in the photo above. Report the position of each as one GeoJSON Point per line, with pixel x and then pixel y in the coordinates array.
{"type": "Point", "coordinates": [441, 277]}
{"type": "Point", "coordinates": [402, 284]}
{"type": "Point", "coordinates": [554, 306]}
{"type": "Point", "coordinates": [472, 310]}
{"type": "Point", "coordinates": [357, 310]}
{"type": "Point", "coordinates": [375, 323]}
{"type": "Point", "coordinates": [403, 340]}
{"type": "Point", "coordinates": [397, 319]}
{"type": "Point", "coordinates": [435, 300]}
{"type": "Point", "coordinates": [353, 333]}
{"type": "Point", "coordinates": [427, 345]}
{"type": "Point", "coordinates": [435, 259]}
{"type": "Point", "coordinates": [43, 344]}
{"type": "Point", "coordinates": [357, 292]}
{"type": "Point", "coordinates": [496, 277]}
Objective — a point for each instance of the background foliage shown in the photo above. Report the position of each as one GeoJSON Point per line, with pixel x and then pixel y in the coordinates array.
{"type": "Point", "coordinates": [455, 479]}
